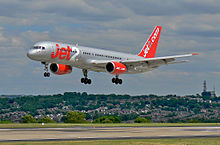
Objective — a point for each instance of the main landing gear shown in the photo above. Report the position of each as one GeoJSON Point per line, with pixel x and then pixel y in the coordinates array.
{"type": "Point", "coordinates": [85, 80]}
{"type": "Point", "coordinates": [116, 80]}
{"type": "Point", "coordinates": [46, 74]}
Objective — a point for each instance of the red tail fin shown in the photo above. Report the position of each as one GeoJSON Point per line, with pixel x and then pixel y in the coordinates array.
{"type": "Point", "coordinates": [150, 47]}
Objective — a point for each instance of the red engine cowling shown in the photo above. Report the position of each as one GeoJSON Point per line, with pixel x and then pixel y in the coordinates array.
{"type": "Point", "coordinates": [116, 68]}
{"type": "Point", "coordinates": [60, 69]}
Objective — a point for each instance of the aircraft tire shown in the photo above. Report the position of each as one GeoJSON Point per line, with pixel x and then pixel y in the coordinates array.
{"type": "Point", "coordinates": [116, 81]}
{"type": "Point", "coordinates": [89, 81]}
{"type": "Point", "coordinates": [46, 74]}
{"type": "Point", "coordinates": [120, 81]}
{"type": "Point", "coordinates": [113, 80]}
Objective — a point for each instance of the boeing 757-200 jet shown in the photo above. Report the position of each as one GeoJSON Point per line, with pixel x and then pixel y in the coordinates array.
{"type": "Point", "coordinates": [62, 57]}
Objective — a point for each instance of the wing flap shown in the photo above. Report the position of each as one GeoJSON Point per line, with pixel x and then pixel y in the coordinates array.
{"type": "Point", "coordinates": [155, 62]}
{"type": "Point", "coordinates": [149, 62]}
{"type": "Point", "coordinates": [168, 58]}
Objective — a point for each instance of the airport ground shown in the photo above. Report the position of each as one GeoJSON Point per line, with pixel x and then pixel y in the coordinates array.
{"type": "Point", "coordinates": [177, 141]}
{"type": "Point", "coordinates": [64, 125]}
{"type": "Point", "coordinates": [110, 134]}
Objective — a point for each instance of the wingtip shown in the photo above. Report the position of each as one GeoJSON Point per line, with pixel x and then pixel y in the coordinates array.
{"type": "Point", "coordinates": [195, 54]}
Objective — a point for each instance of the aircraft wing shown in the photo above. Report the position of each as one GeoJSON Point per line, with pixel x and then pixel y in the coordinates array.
{"type": "Point", "coordinates": [150, 62]}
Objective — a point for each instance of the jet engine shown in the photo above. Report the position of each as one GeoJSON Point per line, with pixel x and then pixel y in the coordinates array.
{"type": "Point", "coordinates": [60, 69]}
{"type": "Point", "coordinates": [116, 68]}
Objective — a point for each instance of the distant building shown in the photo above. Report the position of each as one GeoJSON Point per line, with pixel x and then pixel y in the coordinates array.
{"type": "Point", "coordinates": [208, 93]}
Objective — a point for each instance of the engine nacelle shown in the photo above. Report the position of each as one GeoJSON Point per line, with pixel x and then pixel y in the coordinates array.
{"type": "Point", "coordinates": [116, 68]}
{"type": "Point", "coordinates": [60, 69]}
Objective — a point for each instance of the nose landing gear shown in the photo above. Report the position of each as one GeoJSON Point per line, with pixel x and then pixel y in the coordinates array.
{"type": "Point", "coordinates": [46, 74]}
{"type": "Point", "coordinates": [85, 80]}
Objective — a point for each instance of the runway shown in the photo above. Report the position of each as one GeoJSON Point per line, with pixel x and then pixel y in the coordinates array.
{"type": "Point", "coordinates": [85, 133]}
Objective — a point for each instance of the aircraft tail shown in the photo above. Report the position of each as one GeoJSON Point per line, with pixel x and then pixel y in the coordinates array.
{"type": "Point", "coordinates": [150, 47]}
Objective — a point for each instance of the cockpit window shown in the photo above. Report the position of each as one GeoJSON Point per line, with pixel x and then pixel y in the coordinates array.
{"type": "Point", "coordinates": [36, 47]}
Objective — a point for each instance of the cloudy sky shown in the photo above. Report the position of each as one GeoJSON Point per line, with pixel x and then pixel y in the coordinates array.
{"type": "Point", "coordinates": [188, 26]}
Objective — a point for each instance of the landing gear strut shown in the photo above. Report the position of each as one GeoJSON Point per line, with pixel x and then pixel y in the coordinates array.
{"type": "Point", "coordinates": [46, 74]}
{"type": "Point", "coordinates": [85, 80]}
{"type": "Point", "coordinates": [116, 80]}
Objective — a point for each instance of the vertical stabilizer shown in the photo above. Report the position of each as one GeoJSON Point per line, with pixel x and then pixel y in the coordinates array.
{"type": "Point", "coordinates": [150, 47]}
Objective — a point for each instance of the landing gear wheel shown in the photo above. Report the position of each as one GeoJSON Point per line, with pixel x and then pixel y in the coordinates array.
{"type": "Point", "coordinates": [86, 81]}
{"type": "Point", "coordinates": [89, 81]}
{"type": "Point", "coordinates": [46, 74]}
{"type": "Point", "coordinates": [116, 80]}
{"type": "Point", "coordinates": [113, 80]}
{"type": "Point", "coordinates": [120, 81]}
{"type": "Point", "coordinates": [82, 80]}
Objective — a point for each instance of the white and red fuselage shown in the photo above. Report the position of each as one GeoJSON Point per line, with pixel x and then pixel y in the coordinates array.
{"type": "Point", "coordinates": [63, 57]}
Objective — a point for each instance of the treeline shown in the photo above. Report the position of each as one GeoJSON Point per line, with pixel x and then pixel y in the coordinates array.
{"type": "Point", "coordinates": [83, 101]}
{"type": "Point", "coordinates": [194, 120]}
{"type": "Point", "coordinates": [77, 117]}
{"type": "Point", "coordinates": [125, 107]}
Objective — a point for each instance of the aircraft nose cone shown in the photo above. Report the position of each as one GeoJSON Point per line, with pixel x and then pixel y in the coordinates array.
{"type": "Point", "coordinates": [30, 54]}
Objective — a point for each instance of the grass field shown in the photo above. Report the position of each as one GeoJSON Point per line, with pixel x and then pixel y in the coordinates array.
{"type": "Point", "coordinates": [62, 125]}
{"type": "Point", "coordinates": [192, 141]}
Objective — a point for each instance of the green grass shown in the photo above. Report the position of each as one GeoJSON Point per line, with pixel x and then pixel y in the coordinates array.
{"type": "Point", "coordinates": [63, 125]}
{"type": "Point", "coordinates": [191, 141]}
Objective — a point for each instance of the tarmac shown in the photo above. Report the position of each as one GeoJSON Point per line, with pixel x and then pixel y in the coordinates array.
{"type": "Point", "coordinates": [113, 133]}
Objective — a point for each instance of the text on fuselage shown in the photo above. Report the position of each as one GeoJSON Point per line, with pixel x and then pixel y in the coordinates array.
{"type": "Point", "coordinates": [62, 53]}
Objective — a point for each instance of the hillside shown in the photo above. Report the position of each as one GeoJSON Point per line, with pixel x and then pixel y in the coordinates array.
{"type": "Point", "coordinates": [170, 108]}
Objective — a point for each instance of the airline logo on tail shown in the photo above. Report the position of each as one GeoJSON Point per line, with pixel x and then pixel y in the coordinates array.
{"type": "Point", "coordinates": [150, 47]}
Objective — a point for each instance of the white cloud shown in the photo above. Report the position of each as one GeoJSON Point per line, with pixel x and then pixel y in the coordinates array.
{"type": "Point", "coordinates": [216, 73]}
{"type": "Point", "coordinates": [36, 36]}
{"type": "Point", "coordinates": [172, 74]}
{"type": "Point", "coordinates": [2, 38]}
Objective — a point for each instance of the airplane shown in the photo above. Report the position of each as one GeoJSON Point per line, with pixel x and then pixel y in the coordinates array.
{"type": "Point", "coordinates": [63, 57]}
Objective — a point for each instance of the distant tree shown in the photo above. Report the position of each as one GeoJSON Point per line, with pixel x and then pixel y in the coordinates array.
{"type": "Point", "coordinates": [177, 120]}
{"type": "Point", "coordinates": [141, 120]}
{"type": "Point", "coordinates": [28, 119]}
{"type": "Point", "coordinates": [114, 119]}
{"type": "Point", "coordinates": [5, 122]}
{"type": "Point", "coordinates": [75, 117]}
{"type": "Point", "coordinates": [194, 121]}
{"type": "Point", "coordinates": [46, 119]}
{"type": "Point", "coordinates": [107, 119]}
{"type": "Point", "coordinates": [126, 117]}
